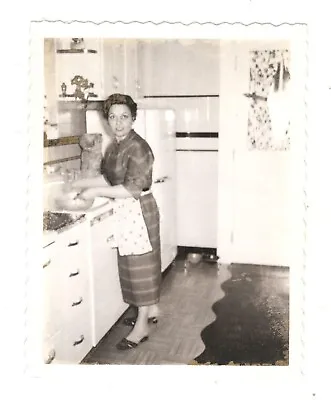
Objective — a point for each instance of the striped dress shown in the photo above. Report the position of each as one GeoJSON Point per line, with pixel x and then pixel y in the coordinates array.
{"type": "Point", "coordinates": [130, 163]}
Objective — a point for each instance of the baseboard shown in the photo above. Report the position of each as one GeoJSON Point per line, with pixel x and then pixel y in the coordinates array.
{"type": "Point", "coordinates": [166, 271]}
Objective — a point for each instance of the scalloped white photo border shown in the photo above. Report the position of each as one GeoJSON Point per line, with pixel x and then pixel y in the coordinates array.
{"type": "Point", "coordinates": [263, 378]}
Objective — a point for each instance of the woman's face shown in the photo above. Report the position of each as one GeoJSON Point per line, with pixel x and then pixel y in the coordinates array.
{"type": "Point", "coordinates": [120, 120]}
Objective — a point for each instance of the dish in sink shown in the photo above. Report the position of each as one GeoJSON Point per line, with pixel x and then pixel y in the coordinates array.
{"type": "Point", "coordinates": [69, 201]}
{"type": "Point", "coordinates": [58, 198]}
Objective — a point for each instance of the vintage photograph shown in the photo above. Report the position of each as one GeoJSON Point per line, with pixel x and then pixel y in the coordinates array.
{"type": "Point", "coordinates": [171, 197]}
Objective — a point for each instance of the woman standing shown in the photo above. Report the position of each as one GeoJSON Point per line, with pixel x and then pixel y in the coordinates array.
{"type": "Point", "coordinates": [127, 173]}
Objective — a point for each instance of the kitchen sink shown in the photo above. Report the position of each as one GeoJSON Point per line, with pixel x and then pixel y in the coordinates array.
{"type": "Point", "coordinates": [53, 221]}
{"type": "Point", "coordinates": [55, 189]}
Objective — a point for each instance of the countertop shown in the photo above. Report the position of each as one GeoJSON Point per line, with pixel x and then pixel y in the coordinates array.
{"type": "Point", "coordinates": [50, 236]}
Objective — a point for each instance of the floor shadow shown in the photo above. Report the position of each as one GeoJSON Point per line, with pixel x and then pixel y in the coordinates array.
{"type": "Point", "coordinates": [252, 319]}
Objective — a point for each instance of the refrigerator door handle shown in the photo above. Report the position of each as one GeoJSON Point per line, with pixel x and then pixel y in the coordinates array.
{"type": "Point", "coordinates": [161, 180]}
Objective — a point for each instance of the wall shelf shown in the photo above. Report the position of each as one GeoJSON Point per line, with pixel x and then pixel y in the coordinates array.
{"type": "Point", "coordinates": [61, 160]}
{"type": "Point", "coordinates": [76, 51]}
{"type": "Point", "coordinates": [61, 141]}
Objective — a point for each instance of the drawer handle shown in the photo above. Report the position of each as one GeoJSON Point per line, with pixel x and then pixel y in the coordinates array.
{"type": "Point", "coordinates": [77, 303]}
{"type": "Point", "coordinates": [95, 220]}
{"type": "Point", "coordinates": [77, 342]}
{"type": "Point", "coordinates": [74, 273]}
{"type": "Point", "coordinates": [73, 243]}
{"type": "Point", "coordinates": [51, 357]}
{"type": "Point", "coordinates": [110, 238]}
{"type": "Point", "coordinates": [161, 180]}
{"type": "Point", "coordinates": [47, 263]}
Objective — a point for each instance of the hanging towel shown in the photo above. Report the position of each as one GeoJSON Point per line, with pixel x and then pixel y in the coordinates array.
{"type": "Point", "coordinates": [130, 233]}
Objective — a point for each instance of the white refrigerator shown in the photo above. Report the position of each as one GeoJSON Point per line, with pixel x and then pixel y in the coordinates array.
{"type": "Point", "coordinates": [158, 127]}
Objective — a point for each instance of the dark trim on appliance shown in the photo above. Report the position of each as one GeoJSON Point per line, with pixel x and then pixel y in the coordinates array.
{"type": "Point", "coordinates": [197, 134]}
{"type": "Point", "coordinates": [198, 150]}
{"type": "Point", "coordinates": [180, 96]}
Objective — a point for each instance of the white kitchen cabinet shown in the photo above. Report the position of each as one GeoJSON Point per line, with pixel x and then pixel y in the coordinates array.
{"type": "Point", "coordinates": [54, 348]}
{"type": "Point", "coordinates": [108, 304]}
{"type": "Point", "coordinates": [132, 71]}
{"type": "Point", "coordinates": [77, 301]}
{"type": "Point", "coordinates": [113, 66]}
{"type": "Point", "coordinates": [120, 67]}
{"type": "Point", "coordinates": [53, 310]}
{"type": "Point", "coordinates": [67, 326]}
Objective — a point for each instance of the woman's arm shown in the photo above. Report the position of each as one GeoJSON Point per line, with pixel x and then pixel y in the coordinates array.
{"type": "Point", "coordinates": [113, 192]}
{"type": "Point", "coordinates": [98, 181]}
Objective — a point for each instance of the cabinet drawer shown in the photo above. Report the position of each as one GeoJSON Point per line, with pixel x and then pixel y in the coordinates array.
{"type": "Point", "coordinates": [49, 254]}
{"type": "Point", "coordinates": [53, 284]}
{"type": "Point", "coordinates": [54, 349]}
{"type": "Point", "coordinates": [74, 253]}
{"type": "Point", "coordinates": [78, 341]}
{"type": "Point", "coordinates": [67, 347]}
{"type": "Point", "coordinates": [65, 285]}
{"type": "Point", "coordinates": [78, 309]}
{"type": "Point", "coordinates": [77, 284]}
{"type": "Point", "coordinates": [75, 235]}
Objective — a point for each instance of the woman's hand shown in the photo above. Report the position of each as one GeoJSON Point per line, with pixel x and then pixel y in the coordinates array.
{"type": "Point", "coordinates": [88, 194]}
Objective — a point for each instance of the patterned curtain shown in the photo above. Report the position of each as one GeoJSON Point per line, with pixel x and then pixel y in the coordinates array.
{"type": "Point", "coordinates": [269, 70]}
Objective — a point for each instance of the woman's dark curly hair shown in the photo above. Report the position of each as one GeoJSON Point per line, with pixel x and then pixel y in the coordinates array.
{"type": "Point", "coordinates": [118, 98]}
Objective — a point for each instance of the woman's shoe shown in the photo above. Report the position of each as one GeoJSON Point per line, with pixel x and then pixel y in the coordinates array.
{"type": "Point", "coordinates": [126, 344]}
{"type": "Point", "coordinates": [132, 320]}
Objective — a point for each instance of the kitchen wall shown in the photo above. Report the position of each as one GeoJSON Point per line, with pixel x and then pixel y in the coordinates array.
{"type": "Point", "coordinates": [54, 154]}
{"type": "Point", "coordinates": [184, 75]}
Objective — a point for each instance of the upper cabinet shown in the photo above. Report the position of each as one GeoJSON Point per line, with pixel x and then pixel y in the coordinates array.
{"type": "Point", "coordinates": [121, 67]}
{"type": "Point", "coordinates": [113, 66]}
{"type": "Point", "coordinates": [85, 69]}
{"type": "Point", "coordinates": [96, 67]}
{"type": "Point", "coordinates": [132, 69]}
